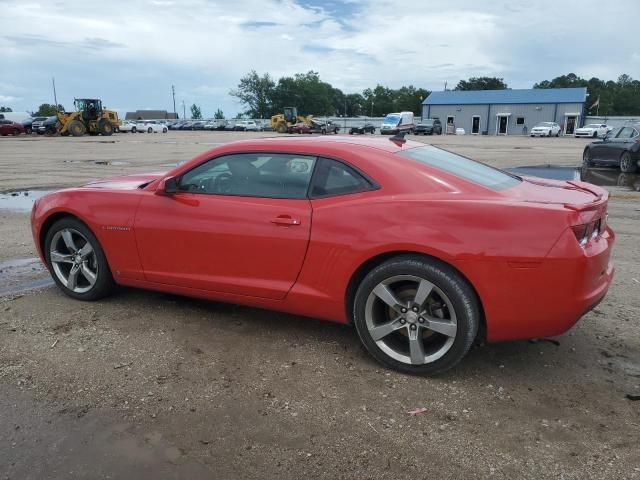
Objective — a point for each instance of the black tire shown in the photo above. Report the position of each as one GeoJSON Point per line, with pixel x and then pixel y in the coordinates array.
{"type": "Point", "coordinates": [77, 128]}
{"type": "Point", "coordinates": [16, 132]}
{"type": "Point", "coordinates": [134, 129]}
{"type": "Point", "coordinates": [105, 127]}
{"type": "Point", "coordinates": [462, 298]}
{"type": "Point", "coordinates": [627, 164]}
{"type": "Point", "coordinates": [164, 130]}
{"type": "Point", "coordinates": [149, 130]}
{"type": "Point", "coordinates": [28, 131]}
{"type": "Point", "coordinates": [586, 157]}
{"type": "Point", "coordinates": [104, 284]}
{"type": "Point", "coordinates": [558, 134]}
{"type": "Point", "coordinates": [595, 135]}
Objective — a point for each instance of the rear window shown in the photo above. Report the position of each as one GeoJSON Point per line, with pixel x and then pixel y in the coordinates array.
{"type": "Point", "coordinates": [462, 167]}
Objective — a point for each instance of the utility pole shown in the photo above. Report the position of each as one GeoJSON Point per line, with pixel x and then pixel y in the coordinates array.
{"type": "Point", "coordinates": [184, 111]}
{"type": "Point", "coordinates": [173, 93]}
{"type": "Point", "coordinates": [55, 97]}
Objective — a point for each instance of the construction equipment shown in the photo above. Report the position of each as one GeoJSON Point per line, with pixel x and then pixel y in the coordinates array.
{"type": "Point", "coordinates": [282, 122]}
{"type": "Point", "coordinates": [89, 117]}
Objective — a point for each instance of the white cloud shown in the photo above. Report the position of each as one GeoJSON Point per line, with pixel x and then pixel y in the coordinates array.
{"type": "Point", "coordinates": [130, 52]}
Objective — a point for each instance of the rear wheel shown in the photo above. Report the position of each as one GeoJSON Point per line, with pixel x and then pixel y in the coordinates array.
{"type": "Point", "coordinates": [586, 157]}
{"type": "Point", "coordinates": [416, 315]}
{"type": "Point", "coordinates": [76, 260]}
{"type": "Point", "coordinates": [149, 130]}
{"type": "Point", "coordinates": [281, 128]}
{"type": "Point", "coordinates": [77, 128]}
{"type": "Point", "coordinates": [16, 132]}
{"type": "Point", "coordinates": [595, 135]}
{"type": "Point", "coordinates": [133, 130]}
{"type": "Point", "coordinates": [164, 130]}
{"type": "Point", "coordinates": [627, 164]}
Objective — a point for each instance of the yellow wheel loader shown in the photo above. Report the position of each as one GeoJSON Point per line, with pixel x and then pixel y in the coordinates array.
{"type": "Point", "coordinates": [89, 117]}
{"type": "Point", "coordinates": [282, 122]}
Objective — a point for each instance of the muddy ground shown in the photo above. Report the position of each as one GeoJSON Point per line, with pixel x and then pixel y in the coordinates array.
{"type": "Point", "coordinates": [148, 385]}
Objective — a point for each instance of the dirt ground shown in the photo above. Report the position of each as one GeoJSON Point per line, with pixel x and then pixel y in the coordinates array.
{"type": "Point", "coordinates": [148, 385]}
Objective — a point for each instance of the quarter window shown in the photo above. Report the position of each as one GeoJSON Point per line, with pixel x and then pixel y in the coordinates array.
{"type": "Point", "coordinates": [336, 178]}
{"type": "Point", "coordinates": [270, 175]}
{"type": "Point", "coordinates": [627, 132]}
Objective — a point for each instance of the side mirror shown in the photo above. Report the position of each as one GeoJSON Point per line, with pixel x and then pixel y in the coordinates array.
{"type": "Point", "coordinates": [168, 186]}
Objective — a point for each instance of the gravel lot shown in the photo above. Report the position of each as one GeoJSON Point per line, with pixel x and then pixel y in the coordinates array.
{"type": "Point", "coordinates": [148, 385]}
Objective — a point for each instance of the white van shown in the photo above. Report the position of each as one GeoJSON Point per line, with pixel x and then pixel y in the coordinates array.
{"type": "Point", "coordinates": [18, 117]}
{"type": "Point", "coordinates": [397, 122]}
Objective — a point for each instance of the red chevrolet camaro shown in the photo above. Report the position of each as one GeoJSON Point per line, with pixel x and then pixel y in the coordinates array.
{"type": "Point", "coordinates": [423, 250]}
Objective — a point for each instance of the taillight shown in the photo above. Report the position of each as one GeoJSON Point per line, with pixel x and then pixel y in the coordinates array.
{"type": "Point", "coordinates": [582, 234]}
{"type": "Point", "coordinates": [589, 231]}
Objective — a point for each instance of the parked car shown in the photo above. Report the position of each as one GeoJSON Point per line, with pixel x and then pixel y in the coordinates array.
{"type": "Point", "coordinates": [48, 126]}
{"type": "Point", "coordinates": [28, 123]}
{"type": "Point", "coordinates": [186, 125]}
{"type": "Point", "coordinates": [620, 147]}
{"type": "Point", "coordinates": [9, 127]}
{"type": "Point", "coordinates": [36, 125]}
{"type": "Point", "coordinates": [176, 125]}
{"type": "Point", "coordinates": [128, 126]}
{"type": "Point", "coordinates": [593, 130]}
{"type": "Point", "coordinates": [362, 129]}
{"type": "Point", "coordinates": [300, 127]}
{"type": "Point", "coordinates": [323, 127]}
{"type": "Point", "coordinates": [151, 126]}
{"type": "Point", "coordinates": [545, 129]}
{"type": "Point", "coordinates": [230, 126]}
{"type": "Point", "coordinates": [217, 124]}
{"type": "Point", "coordinates": [429, 126]}
{"type": "Point", "coordinates": [246, 125]}
{"type": "Point", "coordinates": [422, 278]}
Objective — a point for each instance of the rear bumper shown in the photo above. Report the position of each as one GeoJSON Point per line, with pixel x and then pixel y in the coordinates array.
{"type": "Point", "coordinates": [540, 299]}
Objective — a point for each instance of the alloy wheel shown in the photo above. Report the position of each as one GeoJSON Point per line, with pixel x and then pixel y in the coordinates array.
{"type": "Point", "coordinates": [73, 260]}
{"type": "Point", "coordinates": [411, 320]}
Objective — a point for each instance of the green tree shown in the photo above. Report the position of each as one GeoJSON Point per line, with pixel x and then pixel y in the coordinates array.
{"type": "Point", "coordinates": [255, 92]}
{"type": "Point", "coordinates": [5, 109]}
{"type": "Point", "coordinates": [48, 110]}
{"type": "Point", "coordinates": [196, 113]}
{"type": "Point", "coordinates": [620, 97]}
{"type": "Point", "coordinates": [219, 115]}
{"type": "Point", "coordinates": [307, 92]}
{"type": "Point", "coordinates": [482, 83]}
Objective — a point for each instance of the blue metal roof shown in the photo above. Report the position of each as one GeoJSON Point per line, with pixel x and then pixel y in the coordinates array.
{"type": "Point", "coordinates": [533, 95]}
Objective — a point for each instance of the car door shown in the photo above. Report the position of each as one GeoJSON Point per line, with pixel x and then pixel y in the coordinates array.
{"type": "Point", "coordinates": [238, 224]}
{"type": "Point", "coordinates": [4, 129]}
{"type": "Point", "coordinates": [615, 146]}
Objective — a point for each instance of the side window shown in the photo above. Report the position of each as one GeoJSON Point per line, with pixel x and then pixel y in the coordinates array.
{"type": "Point", "coordinates": [336, 178]}
{"type": "Point", "coordinates": [626, 132]}
{"type": "Point", "coordinates": [252, 175]}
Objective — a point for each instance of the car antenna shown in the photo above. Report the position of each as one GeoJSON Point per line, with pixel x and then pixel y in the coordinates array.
{"type": "Point", "coordinates": [398, 138]}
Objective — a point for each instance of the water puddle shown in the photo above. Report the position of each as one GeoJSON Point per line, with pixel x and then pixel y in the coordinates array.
{"type": "Point", "coordinates": [114, 163]}
{"type": "Point", "coordinates": [21, 201]}
{"type": "Point", "coordinates": [23, 274]}
{"type": "Point", "coordinates": [605, 177]}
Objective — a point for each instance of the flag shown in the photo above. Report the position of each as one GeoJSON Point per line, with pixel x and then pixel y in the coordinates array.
{"type": "Point", "coordinates": [595, 104]}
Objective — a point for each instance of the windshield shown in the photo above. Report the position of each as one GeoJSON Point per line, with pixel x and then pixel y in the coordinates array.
{"type": "Point", "coordinates": [391, 119]}
{"type": "Point", "coordinates": [462, 167]}
{"type": "Point", "coordinates": [545, 124]}
{"type": "Point", "coordinates": [427, 122]}
{"type": "Point", "coordinates": [592, 125]}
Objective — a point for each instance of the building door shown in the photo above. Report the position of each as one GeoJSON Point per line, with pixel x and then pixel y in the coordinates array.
{"type": "Point", "coordinates": [451, 129]}
{"type": "Point", "coordinates": [475, 125]}
{"type": "Point", "coordinates": [503, 124]}
{"type": "Point", "coordinates": [570, 125]}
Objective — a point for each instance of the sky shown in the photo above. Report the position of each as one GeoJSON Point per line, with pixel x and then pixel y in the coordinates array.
{"type": "Point", "coordinates": [129, 53]}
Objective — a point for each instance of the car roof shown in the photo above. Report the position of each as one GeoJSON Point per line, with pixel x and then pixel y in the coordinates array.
{"type": "Point", "coordinates": [383, 143]}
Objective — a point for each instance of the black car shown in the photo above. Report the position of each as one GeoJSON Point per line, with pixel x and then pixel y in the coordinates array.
{"type": "Point", "coordinates": [362, 129]}
{"type": "Point", "coordinates": [620, 147]}
{"type": "Point", "coordinates": [198, 125]}
{"type": "Point", "coordinates": [429, 126]}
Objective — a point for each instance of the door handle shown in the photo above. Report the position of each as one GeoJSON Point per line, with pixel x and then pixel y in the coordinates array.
{"type": "Point", "coordinates": [285, 221]}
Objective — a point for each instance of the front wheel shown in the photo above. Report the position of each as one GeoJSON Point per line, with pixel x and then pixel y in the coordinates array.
{"type": "Point", "coordinates": [627, 164]}
{"type": "Point", "coordinates": [416, 315]}
{"type": "Point", "coordinates": [76, 260]}
{"type": "Point", "coordinates": [586, 157]}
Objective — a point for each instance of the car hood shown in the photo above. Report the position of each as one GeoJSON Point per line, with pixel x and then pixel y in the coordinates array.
{"type": "Point", "coordinates": [125, 182]}
{"type": "Point", "coordinates": [542, 190]}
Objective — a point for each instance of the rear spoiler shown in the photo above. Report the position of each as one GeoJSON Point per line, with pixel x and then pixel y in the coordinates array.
{"type": "Point", "coordinates": [599, 200]}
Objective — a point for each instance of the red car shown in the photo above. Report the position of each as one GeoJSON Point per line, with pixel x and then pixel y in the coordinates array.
{"type": "Point", "coordinates": [423, 250]}
{"type": "Point", "coordinates": [8, 127]}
